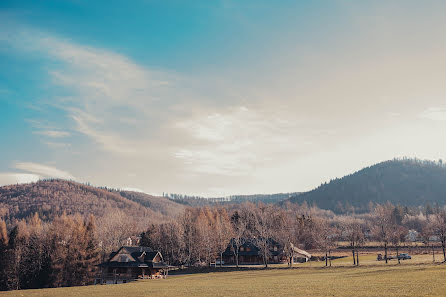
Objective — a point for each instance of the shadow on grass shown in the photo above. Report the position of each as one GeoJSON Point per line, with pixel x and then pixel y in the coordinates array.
{"type": "Point", "coordinates": [196, 270]}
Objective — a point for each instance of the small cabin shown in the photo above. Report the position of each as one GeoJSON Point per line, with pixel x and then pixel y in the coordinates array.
{"type": "Point", "coordinates": [131, 263]}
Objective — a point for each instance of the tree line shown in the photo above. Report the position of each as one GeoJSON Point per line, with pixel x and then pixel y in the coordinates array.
{"type": "Point", "coordinates": [36, 254]}
{"type": "Point", "coordinates": [65, 250]}
{"type": "Point", "coordinates": [201, 235]}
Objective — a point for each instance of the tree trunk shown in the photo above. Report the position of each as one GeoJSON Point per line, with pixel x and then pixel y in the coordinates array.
{"type": "Point", "coordinates": [385, 251]}
{"type": "Point", "coordinates": [326, 258]}
{"type": "Point", "coordinates": [433, 254]}
{"type": "Point", "coordinates": [444, 253]}
{"type": "Point", "coordinates": [291, 261]}
{"type": "Point", "coordinates": [398, 255]}
{"type": "Point", "coordinates": [329, 256]}
{"type": "Point", "coordinates": [265, 259]}
{"type": "Point", "coordinates": [357, 258]}
{"type": "Point", "coordinates": [353, 252]}
{"type": "Point", "coordinates": [236, 260]}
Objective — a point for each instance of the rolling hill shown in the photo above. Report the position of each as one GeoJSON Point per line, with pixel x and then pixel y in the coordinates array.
{"type": "Point", "coordinates": [158, 204]}
{"type": "Point", "coordinates": [52, 197]}
{"type": "Point", "coordinates": [408, 182]}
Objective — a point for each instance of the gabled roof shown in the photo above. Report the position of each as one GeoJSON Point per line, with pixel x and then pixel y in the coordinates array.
{"type": "Point", "coordinates": [133, 249]}
{"type": "Point", "coordinates": [137, 257]}
{"type": "Point", "coordinates": [250, 248]}
{"type": "Point", "coordinates": [255, 251]}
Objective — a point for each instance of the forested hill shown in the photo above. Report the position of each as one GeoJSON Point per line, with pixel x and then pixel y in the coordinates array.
{"type": "Point", "coordinates": [159, 204]}
{"type": "Point", "coordinates": [52, 197]}
{"type": "Point", "coordinates": [407, 182]}
{"type": "Point", "coordinates": [196, 201]}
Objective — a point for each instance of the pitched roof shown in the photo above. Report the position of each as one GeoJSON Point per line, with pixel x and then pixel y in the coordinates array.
{"type": "Point", "coordinates": [142, 257]}
{"type": "Point", "coordinates": [250, 249]}
{"type": "Point", "coordinates": [134, 249]}
{"type": "Point", "coordinates": [253, 250]}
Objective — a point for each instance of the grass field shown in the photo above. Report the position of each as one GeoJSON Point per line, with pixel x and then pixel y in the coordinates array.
{"type": "Point", "coordinates": [415, 277]}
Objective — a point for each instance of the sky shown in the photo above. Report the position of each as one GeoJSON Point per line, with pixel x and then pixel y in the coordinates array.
{"type": "Point", "coordinates": [216, 98]}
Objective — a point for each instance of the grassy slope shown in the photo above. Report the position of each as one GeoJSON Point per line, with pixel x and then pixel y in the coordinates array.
{"type": "Point", "coordinates": [372, 279]}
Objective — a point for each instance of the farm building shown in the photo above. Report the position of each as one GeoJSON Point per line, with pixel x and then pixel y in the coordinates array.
{"type": "Point", "coordinates": [130, 263]}
{"type": "Point", "coordinates": [249, 253]}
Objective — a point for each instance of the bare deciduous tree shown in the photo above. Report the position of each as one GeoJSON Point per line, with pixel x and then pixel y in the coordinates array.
{"type": "Point", "coordinates": [437, 225]}
{"type": "Point", "coordinates": [382, 227]}
{"type": "Point", "coordinates": [223, 231]}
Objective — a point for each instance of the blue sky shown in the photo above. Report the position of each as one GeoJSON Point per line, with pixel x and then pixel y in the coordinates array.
{"type": "Point", "coordinates": [217, 97]}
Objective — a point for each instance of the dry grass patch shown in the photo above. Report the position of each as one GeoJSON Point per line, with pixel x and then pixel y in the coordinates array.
{"type": "Point", "coordinates": [410, 279]}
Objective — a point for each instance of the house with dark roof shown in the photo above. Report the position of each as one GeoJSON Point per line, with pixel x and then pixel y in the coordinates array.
{"type": "Point", "coordinates": [249, 253]}
{"type": "Point", "coordinates": [130, 263]}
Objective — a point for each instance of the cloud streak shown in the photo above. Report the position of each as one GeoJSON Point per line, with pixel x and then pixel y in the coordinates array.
{"type": "Point", "coordinates": [17, 178]}
{"type": "Point", "coordinates": [434, 114]}
{"type": "Point", "coordinates": [43, 170]}
{"type": "Point", "coordinates": [53, 133]}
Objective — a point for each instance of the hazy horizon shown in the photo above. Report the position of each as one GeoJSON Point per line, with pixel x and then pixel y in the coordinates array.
{"type": "Point", "coordinates": [218, 98]}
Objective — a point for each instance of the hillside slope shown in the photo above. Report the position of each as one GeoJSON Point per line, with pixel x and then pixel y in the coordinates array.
{"type": "Point", "coordinates": [407, 182]}
{"type": "Point", "coordinates": [159, 204]}
{"type": "Point", "coordinates": [52, 197]}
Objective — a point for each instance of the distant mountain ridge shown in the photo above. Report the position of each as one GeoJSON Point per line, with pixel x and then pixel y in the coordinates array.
{"type": "Point", "coordinates": [409, 182]}
{"type": "Point", "coordinates": [234, 199]}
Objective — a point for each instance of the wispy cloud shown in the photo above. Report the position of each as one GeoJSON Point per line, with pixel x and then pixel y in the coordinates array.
{"type": "Point", "coordinates": [53, 133]}
{"type": "Point", "coordinates": [434, 114]}
{"type": "Point", "coordinates": [237, 141]}
{"type": "Point", "coordinates": [17, 178]}
{"type": "Point", "coordinates": [43, 170]}
{"type": "Point", "coordinates": [57, 145]}
{"type": "Point", "coordinates": [104, 88]}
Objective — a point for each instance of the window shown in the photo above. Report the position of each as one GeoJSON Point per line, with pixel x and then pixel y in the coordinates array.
{"type": "Point", "coordinates": [242, 249]}
{"type": "Point", "coordinates": [123, 258]}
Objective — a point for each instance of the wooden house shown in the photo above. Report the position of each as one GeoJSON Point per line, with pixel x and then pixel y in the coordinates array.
{"type": "Point", "coordinates": [249, 253]}
{"type": "Point", "coordinates": [130, 263]}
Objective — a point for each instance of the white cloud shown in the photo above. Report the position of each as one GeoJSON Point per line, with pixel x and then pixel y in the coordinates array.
{"type": "Point", "coordinates": [57, 145]}
{"type": "Point", "coordinates": [434, 114]}
{"type": "Point", "coordinates": [53, 133]}
{"type": "Point", "coordinates": [108, 93]}
{"type": "Point", "coordinates": [238, 141]}
{"type": "Point", "coordinates": [43, 170]}
{"type": "Point", "coordinates": [130, 189]}
{"type": "Point", "coordinates": [392, 114]}
{"type": "Point", "coordinates": [17, 178]}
